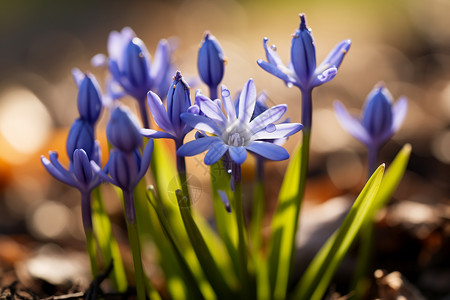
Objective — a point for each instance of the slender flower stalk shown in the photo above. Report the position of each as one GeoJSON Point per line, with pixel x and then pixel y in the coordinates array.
{"type": "Point", "coordinates": [303, 73]}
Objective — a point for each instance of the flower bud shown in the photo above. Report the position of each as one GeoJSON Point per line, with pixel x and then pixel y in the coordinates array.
{"type": "Point", "coordinates": [82, 168]}
{"type": "Point", "coordinates": [136, 66]}
{"type": "Point", "coordinates": [124, 168]}
{"type": "Point", "coordinates": [122, 130]}
{"type": "Point", "coordinates": [303, 52]}
{"type": "Point", "coordinates": [178, 101]}
{"type": "Point", "coordinates": [377, 118]}
{"type": "Point", "coordinates": [89, 99]}
{"type": "Point", "coordinates": [81, 136]}
{"type": "Point", "coordinates": [211, 62]}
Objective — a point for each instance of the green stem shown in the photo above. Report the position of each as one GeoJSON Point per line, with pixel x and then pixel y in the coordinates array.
{"type": "Point", "coordinates": [92, 251]}
{"type": "Point", "coordinates": [258, 207]}
{"type": "Point", "coordinates": [181, 167]}
{"type": "Point", "coordinates": [135, 245]}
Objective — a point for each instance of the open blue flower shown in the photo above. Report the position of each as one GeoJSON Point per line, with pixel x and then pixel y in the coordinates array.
{"type": "Point", "coordinates": [302, 70]}
{"type": "Point", "coordinates": [178, 101]}
{"type": "Point", "coordinates": [79, 175]}
{"type": "Point", "coordinates": [237, 133]}
{"type": "Point", "coordinates": [380, 119]}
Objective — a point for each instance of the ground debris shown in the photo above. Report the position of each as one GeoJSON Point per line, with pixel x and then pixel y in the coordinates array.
{"type": "Point", "coordinates": [393, 286]}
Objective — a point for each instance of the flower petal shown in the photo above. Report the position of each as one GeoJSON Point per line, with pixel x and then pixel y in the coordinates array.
{"type": "Point", "coordinates": [216, 151]}
{"type": "Point", "coordinates": [228, 104]}
{"type": "Point", "coordinates": [201, 123]}
{"type": "Point", "coordinates": [197, 146]}
{"type": "Point", "coordinates": [78, 76]}
{"type": "Point", "coordinates": [268, 150]}
{"type": "Point", "coordinates": [351, 124]}
{"type": "Point", "coordinates": [101, 173]}
{"type": "Point", "coordinates": [159, 112]}
{"type": "Point", "coordinates": [161, 62]}
{"type": "Point", "coordinates": [275, 71]}
{"type": "Point", "coordinates": [238, 154]}
{"type": "Point", "coordinates": [210, 109]}
{"type": "Point", "coordinates": [146, 158]}
{"type": "Point", "coordinates": [399, 112]}
{"type": "Point", "coordinates": [247, 101]}
{"type": "Point", "coordinates": [150, 133]}
{"type": "Point", "coordinates": [324, 76]}
{"type": "Point", "coordinates": [281, 131]}
{"type": "Point", "coordinates": [271, 55]}
{"type": "Point", "coordinates": [55, 172]}
{"type": "Point", "coordinates": [269, 116]}
{"type": "Point", "coordinates": [334, 59]}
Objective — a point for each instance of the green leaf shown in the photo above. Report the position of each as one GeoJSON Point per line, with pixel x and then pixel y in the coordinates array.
{"type": "Point", "coordinates": [107, 243]}
{"type": "Point", "coordinates": [285, 221]}
{"type": "Point", "coordinates": [319, 273]}
{"type": "Point", "coordinates": [210, 268]}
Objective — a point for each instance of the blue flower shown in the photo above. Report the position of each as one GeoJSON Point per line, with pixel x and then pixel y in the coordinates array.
{"type": "Point", "coordinates": [380, 119]}
{"type": "Point", "coordinates": [178, 101]}
{"type": "Point", "coordinates": [125, 170]}
{"type": "Point", "coordinates": [123, 130]}
{"type": "Point", "coordinates": [211, 61]}
{"type": "Point", "coordinates": [302, 70]}
{"type": "Point", "coordinates": [236, 133]}
{"type": "Point", "coordinates": [89, 96]}
{"type": "Point", "coordinates": [79, 175]}
{"type": "Point", "coordinates": [131, 66]}
{"type": "Point", "coordinates": [81, 136]}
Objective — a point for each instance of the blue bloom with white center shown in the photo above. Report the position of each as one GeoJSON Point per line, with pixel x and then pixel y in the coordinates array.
{"type": "Point", "coordinates": [236, 133]}
{"type": "Point", "coordinates": [123, 130]}
{"type": "Point", "coordinates": [302, 71]}
{"type": "Point", "coordinates": [211, 63]}
{"type": "Point", "coordinates": [89, 99]}
{"type": "Point", "coordinates": [381, 118]}
{"type": "Point", "coordinates": [178, 101]}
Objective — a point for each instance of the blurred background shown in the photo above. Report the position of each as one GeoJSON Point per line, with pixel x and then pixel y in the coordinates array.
{"type": "Point", "coordinates": [404, 43]}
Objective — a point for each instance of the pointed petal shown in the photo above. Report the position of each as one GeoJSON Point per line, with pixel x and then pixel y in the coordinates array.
{"type": "Point", "coordinates": [216, 151]}
{"type": "Point", "coordinates": [247, 101]}
{"type": "Point", "coordinates": [269, 116]}
{"type": "Point", "coordinates": [228, 104]}
{"type": "Point", "coordinates": [99, 60]}
{"type": "Point", "coordinates": [161, 62]}
{"type": "Point", "coordinates": [225, 200]}
{"type": "Point", "coordinates": [279, 131]}
{"type": "Point", "coordinates": [324, 76]}
{"type": "Point", "coordinates": [271, 55]}
{"type": "Point", "coordinates": [399, 113]}
{"type": "Point", "coordinates": [146, 158]}
{"type": "Point", "coordinates": [334, 59]}
{"type": "Point", "coordinates": [201, 123]}
{"type": "Point", "coordinates": [210, 109]}
{"type": "Point", "coordinates": [57, 174]}
{"type": "Point", "coordinates": [159, 112]}
{"type": "Point", "coordinates": [150, 133]}
{"type": "Point", "coordinates": [197, 146]}
{"type": "Point", "coordinates": [78, 76]}
{"type": "Point", "coordinates": [274, 71]}
{"type": "Point", "coordinates": [269, 150]}
{"type": "Point", "coordinates": [103, 176]}
{"type": "Point", "coordinates": [351, 124]}
{"type": "Point", "coordinates": [238, 154]}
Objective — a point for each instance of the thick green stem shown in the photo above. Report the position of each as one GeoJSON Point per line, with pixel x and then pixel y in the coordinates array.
{"type": "Point", "coordinates": [258, 207]}
{"type": "Point", "coordinates": [181, 167]}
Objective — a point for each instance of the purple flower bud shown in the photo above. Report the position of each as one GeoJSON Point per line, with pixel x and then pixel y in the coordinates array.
{"type": "Point", "coordinates": [81, 136]}
{"type": "Point", "coordinates": [211, 62]}
{"type": "Point", "coordinates": [136, 67]}
{"type": "Point", "coordinates": [89, 99]}
{"type": "Point", "coordinates": [124, 168]}
{"type": "Point", "coordinates": [178, 101]}
{"type": "Point", "coordinates": [82, 168]}
{"type": "Point", "coordinates": [122, 130]}
{"type": "Point", "coordinates": [377, 118]}
{"type": "Point", "coordinates": [303, 52]}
